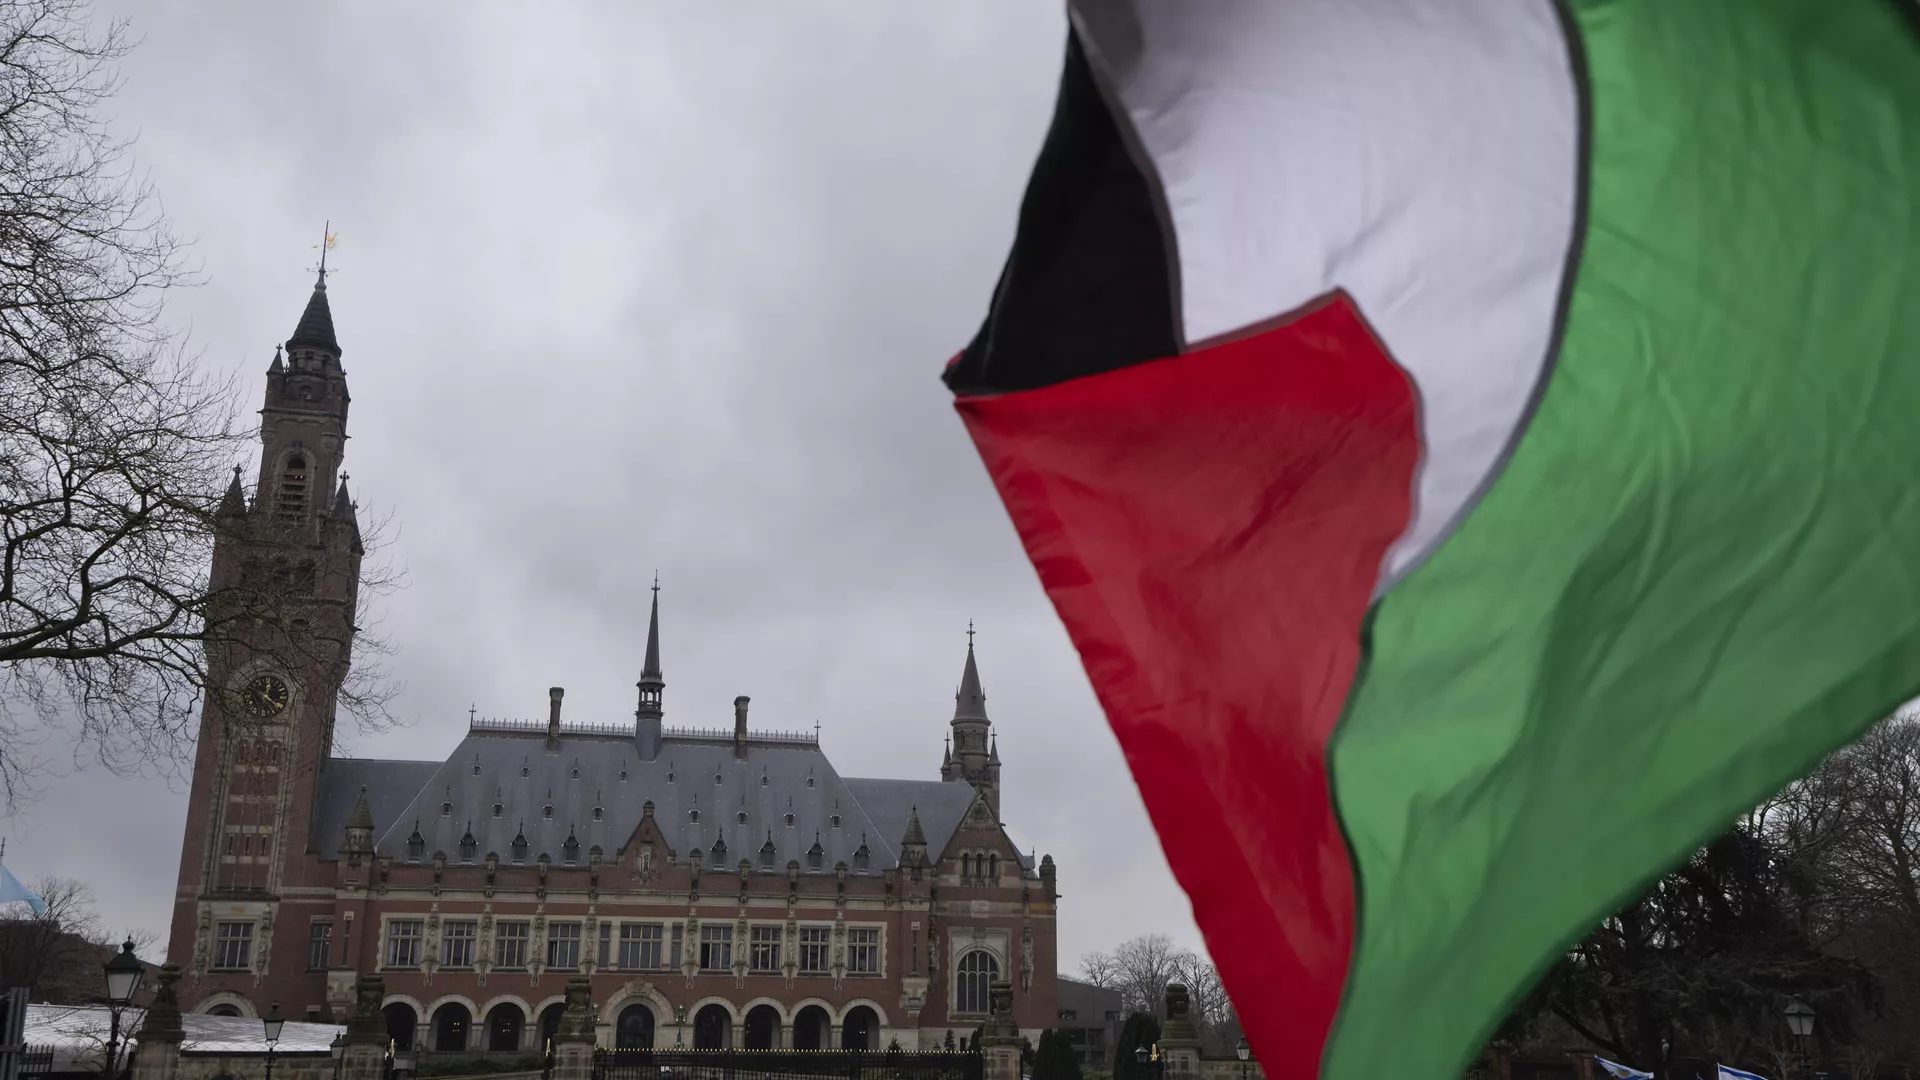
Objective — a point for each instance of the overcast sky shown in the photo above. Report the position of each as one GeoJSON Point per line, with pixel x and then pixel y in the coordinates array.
{"type": "Point", "coordinates": [624, 287]}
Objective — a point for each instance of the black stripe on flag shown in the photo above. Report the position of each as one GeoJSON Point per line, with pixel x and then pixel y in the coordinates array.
{"type": "Point", "coordinates": [1088, 286]}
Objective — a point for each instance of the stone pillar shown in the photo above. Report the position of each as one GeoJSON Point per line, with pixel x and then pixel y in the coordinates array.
{"type": "Point", "coordinates": [365, 1057]}
{"type": "Point", "coordinates": [161, 1033]}
{"type": "Point", "coordinates": [573, 1044]}
{"type": "Point", "coordinates": [1179, 1039]}
{"type": "Point", "coordinates": [785, 1035]}
{"type": "Point", "coordinates": [1000, 1036]}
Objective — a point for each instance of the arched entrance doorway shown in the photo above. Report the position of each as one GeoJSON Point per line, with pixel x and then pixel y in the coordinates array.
{"type": "Point", "coordinates": [550, 1022]}
{"type": "Point", "coordinates": [713, 1028]}
{"type": "Point", "coordinates": [859, 1029]}
{"type": "Point", "coordinates": [506, 1027]}
{"type": "Point", "coordinates": [761, 1029]}
{"type": "Point", "coordinates": [401, 1023]}
{"type": "Point", "coordinates": [634, 1029]}
{"type": "Point", "coordinates": [450, 1025]}
{"type": "Point", "coordinates": [810, 1028]}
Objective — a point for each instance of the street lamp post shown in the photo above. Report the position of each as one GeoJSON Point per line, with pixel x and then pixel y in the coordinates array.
{"type": "Point", "coordinates": [123, 981]}
{"type": "Point", "coordinates": [1245, 1054]}
{"type": "Point", "coordinates": [338, 1048]}
{"type": "Point", "coordinates": [272, 1023]}
{"type": "Point", "coordinates": [1800, 1023]}
{"type": "Point", "coordinates": [1142, 1055]}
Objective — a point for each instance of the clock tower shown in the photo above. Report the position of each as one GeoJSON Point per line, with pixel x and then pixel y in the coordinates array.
{"type": "Point", "coordinates": [286, 569]}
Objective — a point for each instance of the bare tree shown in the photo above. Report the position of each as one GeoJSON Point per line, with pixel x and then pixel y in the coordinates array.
{"type": "Point", "coordinates": [113, 443]}
{"type": "Point", "coordinates": [56, 951]}
{"type": "Point", "coordinates": [1099, 969]}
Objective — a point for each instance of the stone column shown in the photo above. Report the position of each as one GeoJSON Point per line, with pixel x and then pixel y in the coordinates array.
{"type": "Point", "coordinates": [365, 1057]}
{"type": "Point", "coordinates": [785, 1035]}
{"type": "Point", "coordinates": [1179, 1039]}
{"type": "Point", "coordinates": [161, 1033]}
{"type": "Point", "coordinates": [573, 1044]}
{"type": "Point", "coordinates": [1000, 1036]}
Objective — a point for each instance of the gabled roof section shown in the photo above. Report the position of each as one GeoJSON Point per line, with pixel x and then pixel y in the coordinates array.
{"type": "Point", "coordinates": [889, 803]}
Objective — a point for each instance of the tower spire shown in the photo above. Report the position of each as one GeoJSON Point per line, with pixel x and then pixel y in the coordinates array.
{"type": "Point", "coordinates": [652, 686]}
{"type": "Point", "coordinates": [315, 330]}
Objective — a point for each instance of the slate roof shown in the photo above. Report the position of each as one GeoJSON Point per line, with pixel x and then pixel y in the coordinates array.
{"type": "Point", "coordinates": [390, 786]}
{"type": "Point", "coordinates": [444, 799]}
{"type": "Point", "coordinates": [316, 322]}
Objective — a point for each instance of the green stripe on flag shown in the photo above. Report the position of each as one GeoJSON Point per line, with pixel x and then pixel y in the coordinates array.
{"type": "Point", "coordinates": [1701, 570]}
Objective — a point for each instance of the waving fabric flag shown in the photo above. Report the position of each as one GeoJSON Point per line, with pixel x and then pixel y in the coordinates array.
{"type": "Point", "coordinates": [1471, 446]}
{"type": "Point", "coordinates": [11, 891]}
{"type": "Point", "coordinates": [1615, 1069]}
{"type": "Point", "coordinates": [1736, 1074]}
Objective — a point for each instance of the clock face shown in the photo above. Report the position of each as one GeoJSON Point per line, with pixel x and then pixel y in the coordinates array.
{"type": "Point", "coordinates": [266, 697]}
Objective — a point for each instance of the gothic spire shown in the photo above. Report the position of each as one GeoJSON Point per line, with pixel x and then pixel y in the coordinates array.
{"type": "Point", "coordinates": [971, 702]}
{"type": "Point", "coordinates": [234, 503]}
{"type": "Point", "coordinates": [344, 513]}
{"type": "Point", "coordinates": [316, 323]}
{"type": "Point", "coordinates": [362, 815]}
{"type": "Point", "coordinates": [914, 835]}
{"type": "Point", "coordinates": [650, 670]}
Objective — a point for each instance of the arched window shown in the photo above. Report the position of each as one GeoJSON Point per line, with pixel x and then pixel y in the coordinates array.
{"type": "Point", "coordinates": [993, 867]}
{"type": "Point", "coordinates": [224, 1010]}
{"type": "Point", "coordinates": [293, 488]}
{"type": "Point", "coordinates": [977, 972]}
{"type": "Point", "coordinates": [966, 865]}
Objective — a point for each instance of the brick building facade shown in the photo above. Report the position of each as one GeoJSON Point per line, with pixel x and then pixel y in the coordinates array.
{"type": "Point", "coordinates": [721, 886]}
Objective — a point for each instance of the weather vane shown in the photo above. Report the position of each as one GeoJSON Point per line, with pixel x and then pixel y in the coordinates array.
{"type": "Point", "coordinates": [327, 240]}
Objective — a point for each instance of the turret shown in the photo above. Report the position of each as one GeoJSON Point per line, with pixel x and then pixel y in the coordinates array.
{"type": "Point", "coordinates": [975, 755]}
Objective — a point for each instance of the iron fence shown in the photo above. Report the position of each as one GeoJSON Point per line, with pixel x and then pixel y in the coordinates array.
{"type": "Point", "coordinates": [683, 1064]}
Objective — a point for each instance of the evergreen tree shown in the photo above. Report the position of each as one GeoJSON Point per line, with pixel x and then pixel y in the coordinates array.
{"type": "Point", "coordinates": [951, 1044]}
{"type": "Point", "coordinates": [1055, 1059]}
{"type": "Point", "coordinates": [1141, 1031]}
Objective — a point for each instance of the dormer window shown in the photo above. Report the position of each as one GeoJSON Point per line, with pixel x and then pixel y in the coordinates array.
{"type": "Point", "coordinates": [523, 771]}
{"type": "Point", "coordinates": [742, 817]}
{"type": "Point", "coordinates": [576, 772]}
{"type": "Point", "coordinates": [547, 811]}
{"type": "Point", "coordinates": [623, 776]}
{"type": "Point", "coordinates": [809, 781]}
{"type": "Point", "coordinates": [293, 488]}
{"type": "Point", "coordinates": [763, 779]}
{"type": "Point", "coordinates": [497, 808]}
{"type": "Point", "coordinates": [834, 821]}
{"type": "Point", "coordinates": [416, 845]}
{"type": "Point", "coordinates": [468, 847]}
{"type": "Point", "coordinates": [693, 816]}
{"type": "Point", "coordinates": [446, 809]}
{"type": "Point", "coordinates": [597, 812]}
{"type": "Point", "coordinates": [862, 857]}
{"type": "Point", "coordinates": [720, 852]}
{"type": "Point", "coordinates": [717, 778]}
{"type": "Point", "coordinates": [520, 847]}
{"type": "Point", "coordinates": [570, 851]}
{"type": "Point", "coordinates": [789, 820]}
{"type": "Point", "coordinates": [476, 766]}
{"type": "Point", "coordinates": [669, 776]}
{"type": "Point", "coordinates": [816, 855]}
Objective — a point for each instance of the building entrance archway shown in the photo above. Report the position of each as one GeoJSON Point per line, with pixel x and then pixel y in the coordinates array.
{"type": "Point", "coordinates": [634, 1031]}
{"type": "Point", "coordinates": [402, 1022]}
{"type": "Point", "coordinates": [859, 1029]}
{"type": "Point", "coordinates": [811, 1028]}
{"type": "Point", "coordinates": [712, 1028]}
{"type": "Point", "coordinates": [506, 1027]}
{"type": "Point", "coordinates": [761, 1029]}
{"type": "Point", "coordinates": [450, 1025]}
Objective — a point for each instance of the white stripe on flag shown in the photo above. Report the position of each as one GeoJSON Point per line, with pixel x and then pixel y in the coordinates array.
{"type": "Point", "coordinates": [1736, 1074]}
{"type": "Point", "coordinates": [1619, 1071]}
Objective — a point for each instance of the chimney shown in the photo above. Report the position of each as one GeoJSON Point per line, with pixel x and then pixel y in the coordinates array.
{"type": "Point", "coordinates": [554, 694]}
{"type": "Point", "coordinates": [740, 726]}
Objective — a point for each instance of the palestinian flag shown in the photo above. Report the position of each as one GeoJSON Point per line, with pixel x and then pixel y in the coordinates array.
{"type": "Point", "coordinates": [1475, 448]}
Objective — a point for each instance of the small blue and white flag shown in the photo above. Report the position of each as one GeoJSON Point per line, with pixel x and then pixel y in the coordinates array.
{"type": "Point", "coordinates": [1737, 1074]}
{"type": "Point", "coordinates": [11, 890]}
{"type": "Point", "coordinates": [1615, 1069]}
